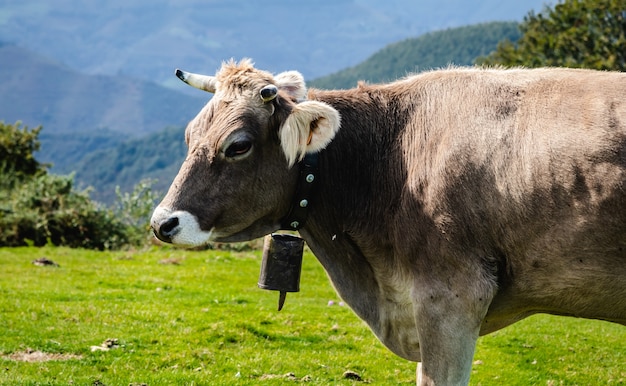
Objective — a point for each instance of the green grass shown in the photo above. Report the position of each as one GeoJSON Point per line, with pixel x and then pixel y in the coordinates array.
{"type": "Point", "coordinates": [203, 321]}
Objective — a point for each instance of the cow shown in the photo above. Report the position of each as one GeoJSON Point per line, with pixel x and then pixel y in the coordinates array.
{"type": "Point", "coordinates": [443, 206]}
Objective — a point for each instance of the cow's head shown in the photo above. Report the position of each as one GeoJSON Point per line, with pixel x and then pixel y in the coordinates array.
{"type": "Point", "coordinates": [240, 172]}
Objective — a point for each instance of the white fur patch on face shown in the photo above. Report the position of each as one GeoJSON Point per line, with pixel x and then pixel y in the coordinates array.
{"type": "Point", "coordinates": [187, 232]}
{"type": "Point", "coordinates": [190, 233]}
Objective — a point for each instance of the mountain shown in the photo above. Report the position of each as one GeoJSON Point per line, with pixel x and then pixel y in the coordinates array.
{"type": "Point", "coordinates": [81, 113]}
{"type": "Point", "coordinates": [94, 74]}
{"type": "Point", "coordinates": [455, 46]}
{"type": "Point", "coordinates": [147, 39]}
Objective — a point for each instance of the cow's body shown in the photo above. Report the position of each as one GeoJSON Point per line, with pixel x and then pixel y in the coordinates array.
{"type": "Point", "coordinates": [449, 204]}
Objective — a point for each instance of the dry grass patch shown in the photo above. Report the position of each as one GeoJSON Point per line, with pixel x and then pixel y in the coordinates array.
{"type": "Point", "coordinates": [39, 356]}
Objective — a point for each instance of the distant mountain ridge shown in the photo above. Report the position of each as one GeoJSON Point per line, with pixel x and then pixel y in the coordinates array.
{"type": "Point", "coordinates": [147, 39]}
{"type": "Point", "coordinates": [70, 106]}
{"type": "Point", "coordinates": [97, 67]}
{"type": "Point", "coordinates": [65, 100]}
{"type": "Point", "coordinates": [455, 46]}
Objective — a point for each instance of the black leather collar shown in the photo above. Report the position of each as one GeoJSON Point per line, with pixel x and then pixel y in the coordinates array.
{"type": "Point", "coordinates": [299, 211]}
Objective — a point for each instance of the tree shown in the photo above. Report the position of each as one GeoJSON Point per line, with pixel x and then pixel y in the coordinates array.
{"type": "Point", "coordinates": [575, 33]}
{"type": "Point", "coordinates": [17, 160]}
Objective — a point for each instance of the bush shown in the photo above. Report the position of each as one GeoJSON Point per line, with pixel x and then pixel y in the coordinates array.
{"type": "Point", "coordinates": [37, 208]}
{"type": "Point", "coordinates": [134, 211]}
{"type": "Point", "coordinates": [46, 210]}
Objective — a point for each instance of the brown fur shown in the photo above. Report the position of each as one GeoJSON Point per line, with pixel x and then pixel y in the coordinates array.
{"type": "Point", "coordinates": [450, 204]}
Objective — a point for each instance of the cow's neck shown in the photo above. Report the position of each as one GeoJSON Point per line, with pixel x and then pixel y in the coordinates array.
{"type": "Point", "coordinates": [358, 187]}
{"type": "Point", "coordinates": [355, 198]}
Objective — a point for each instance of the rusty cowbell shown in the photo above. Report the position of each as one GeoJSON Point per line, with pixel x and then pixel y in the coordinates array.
{"type": "Point", "coordinates": [281, 265]}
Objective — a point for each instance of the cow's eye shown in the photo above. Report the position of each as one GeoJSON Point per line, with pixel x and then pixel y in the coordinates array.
{"type": "Point", "coordinates": [238, 148]}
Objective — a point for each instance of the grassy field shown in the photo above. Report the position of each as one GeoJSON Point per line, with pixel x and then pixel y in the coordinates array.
{"type": "Point", "coordinates": [177, 317]}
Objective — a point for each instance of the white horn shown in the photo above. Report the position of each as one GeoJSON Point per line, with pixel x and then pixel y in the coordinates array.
{"type": "Point", "coordinates": [202, 82]}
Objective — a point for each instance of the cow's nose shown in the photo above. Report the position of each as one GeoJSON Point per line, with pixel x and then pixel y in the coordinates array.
{"type": "Point", "coordinates": [167, 229]}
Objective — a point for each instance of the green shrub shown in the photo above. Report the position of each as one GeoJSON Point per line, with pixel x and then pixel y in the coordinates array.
{"type": "Point", "coordinates": [37, 208]}
{"type": "Point", "coordinates": [134, 210]}
{"type": "Point", "coordinates": [46, 210]}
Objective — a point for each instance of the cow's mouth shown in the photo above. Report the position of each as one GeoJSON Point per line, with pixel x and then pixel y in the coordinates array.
{"type": "Point", "coordinates": [254, 231]}
{"type": "Point", "coordinates": [182, 228]}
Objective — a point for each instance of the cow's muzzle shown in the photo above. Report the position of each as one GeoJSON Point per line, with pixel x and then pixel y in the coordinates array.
{"type": "Point", "coordinates": [178, 227]}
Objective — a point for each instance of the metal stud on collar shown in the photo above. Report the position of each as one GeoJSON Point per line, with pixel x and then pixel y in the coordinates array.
{"type": "Point", "coordinates": [301, 202]}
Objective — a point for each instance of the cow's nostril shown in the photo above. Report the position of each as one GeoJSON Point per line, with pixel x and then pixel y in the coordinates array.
{"type": "Point", "coordinates": [168, 226]}
{"type": "Point", "coordinates": [167, 229]}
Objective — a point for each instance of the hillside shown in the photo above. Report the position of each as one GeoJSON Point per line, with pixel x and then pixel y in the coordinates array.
{"type": "Point", "coordinates": [80, 113]}
{"type": "Point", "coordinates": [157, 157]}
{"type": "Point", "coordinates": [160, 155]}
{"type": "Point", "coordinates": [457, 46]}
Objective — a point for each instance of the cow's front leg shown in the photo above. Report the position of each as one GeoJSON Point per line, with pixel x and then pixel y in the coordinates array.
{"type": "Point", "coordinates": [448, 324]}
{"type": "Point", "coordinates": [446, 356]}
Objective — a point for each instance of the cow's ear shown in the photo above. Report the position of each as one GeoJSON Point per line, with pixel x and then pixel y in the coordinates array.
{"type": "Point", "coordinates": [291, 82]}
{"type": "Point", "coordinates": [309, 128]}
